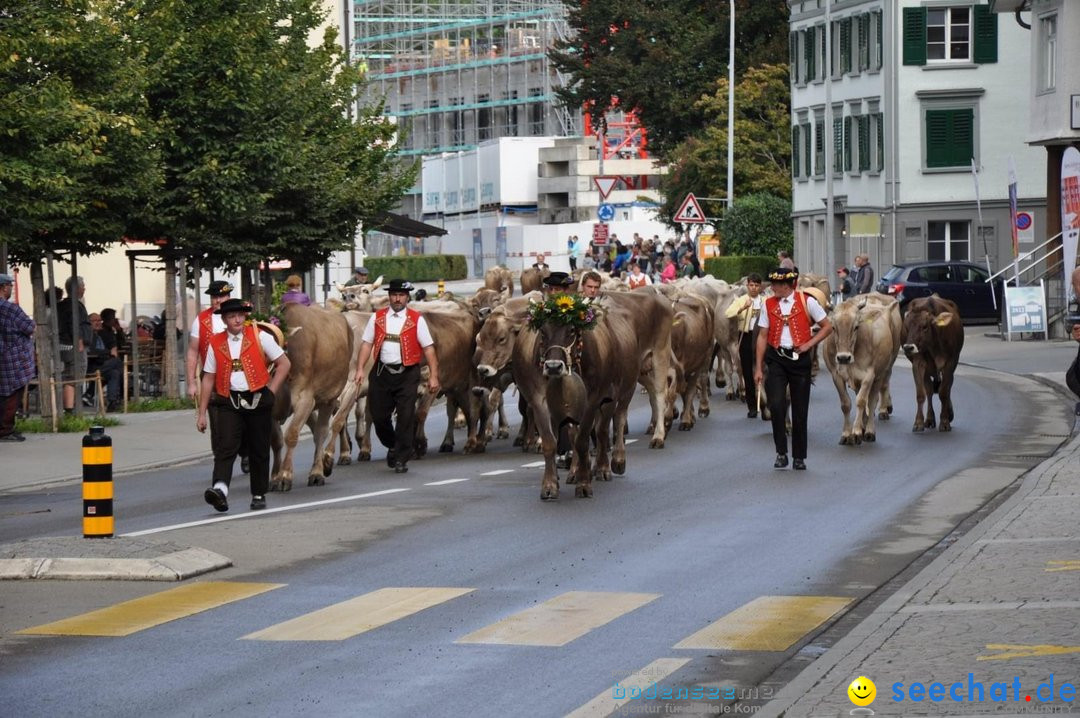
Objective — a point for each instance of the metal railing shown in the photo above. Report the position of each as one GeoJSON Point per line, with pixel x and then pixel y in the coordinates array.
{"type": "Point", "coordinates": [1037, 265]}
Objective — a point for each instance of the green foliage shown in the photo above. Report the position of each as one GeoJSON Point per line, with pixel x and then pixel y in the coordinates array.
{"type": "Point", "coordinates": [734, 268]}
{"type": "Point", "coordinates": [423, 268]}
{"type": "Point", "coordinates": [76, 154]}
{"type": "Point", "coordinates": [159, 404]}
{"type": "Point", "coordinates": [758, 224]}
{"type": "Point", "coordinates": [762, 143]}
{"type": "Point", "coordinates": [69, 423]}
{"type": "Point", "coordinates": [659, 57]}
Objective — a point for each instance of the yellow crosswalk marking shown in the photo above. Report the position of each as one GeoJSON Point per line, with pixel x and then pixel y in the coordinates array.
{"type": "Point", "coordinates": [768, 623]}
{"type": "Point", "coordinates": [560, 620]}
{"type": "Point", "coordinates": [123, 619]}
{"type": "Point", "coordinates": [1071, 565]}
{"type": "Point", "coordinates": [606, 703]}
{"type": "Point", "coordinates": [358, 615]}
{"type": "Point", "coordinates": [1012, 650]}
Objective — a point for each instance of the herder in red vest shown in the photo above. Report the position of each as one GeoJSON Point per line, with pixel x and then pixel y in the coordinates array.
{"type": "Point", "coordinates": [399, 338]}
{"type": "Point", "coordinates": [236, 380]}
{"type": "Point", "coordinates": [784, 343]}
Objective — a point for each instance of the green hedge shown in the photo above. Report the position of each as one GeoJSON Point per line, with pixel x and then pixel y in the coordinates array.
{"type": "Point", "coordinates": [422, 268]}
{"type": "Point", "coordinates": [732, 269]}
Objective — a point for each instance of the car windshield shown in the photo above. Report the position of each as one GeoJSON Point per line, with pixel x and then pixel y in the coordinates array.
{"type": "Point", "coordinates": [893, 273]}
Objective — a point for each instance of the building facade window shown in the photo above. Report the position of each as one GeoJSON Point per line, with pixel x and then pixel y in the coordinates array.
{"type": "Point", "coordinates": [1048, 59]}
{"type": "Point", "coordinates": [808, 150]}
{"type": "Point", "coordinates": [838, 142]}
{"type": "Point", "coordinates": [864, 143]}
{"type": "Point", "coordinates": [960, 33]}
{"type": "Point", "coordinates": [950, 138]}
{"type": "Point", "coordinates": [948, 241]}
{"type": "Point", "coordinates": [483, 118]}
{"type": "Point", "coordinates": [879, 136]}
{"type": "Point", "coordinates": [796, 165]}
{"type": "Point", "coordinates": [819, 146]}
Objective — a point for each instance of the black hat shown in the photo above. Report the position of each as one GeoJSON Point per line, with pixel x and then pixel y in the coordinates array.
{"type": "Point", "coordinates": [784, 275]}
{"type": "Point", "coordinates": [219, 288]}
{"type": "Point", "coordinates": [361, 270]}
{"type": "Point", "coordinates": [233, 305]}
{"type": "Point", "coordinates": [399, 285]}
{"type": "Point", "coordinates": [558, 279]}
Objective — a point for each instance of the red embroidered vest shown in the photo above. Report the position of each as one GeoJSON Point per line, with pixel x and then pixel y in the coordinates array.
{"type": "Point", "coordinates": [798, 321]}
{"type": "Point", "coordinates": [206, 330]}
{"type": "Point", "coordinates": [635, 282]}
{"type": "Point", "coordinates": [411, 351]}
{"type": "Point", "coordinates": [251, 360]}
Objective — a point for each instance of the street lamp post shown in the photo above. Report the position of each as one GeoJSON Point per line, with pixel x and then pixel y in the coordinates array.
{"type": "Point", "coordinates": [731, 107]}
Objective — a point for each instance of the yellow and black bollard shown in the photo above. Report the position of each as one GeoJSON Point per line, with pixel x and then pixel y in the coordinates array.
{"type": "Point", "coordinates": [97, 484]}
{"type": "Point", "coordinates": [441, 287]}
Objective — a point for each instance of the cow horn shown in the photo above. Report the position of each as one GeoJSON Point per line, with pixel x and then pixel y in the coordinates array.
{"type": "Point", "coordinates": [340, 287]}
{"type": "Point", "coordinates": [378, 283]}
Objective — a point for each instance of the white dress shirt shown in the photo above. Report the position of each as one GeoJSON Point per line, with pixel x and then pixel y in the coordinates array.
{"type": "Point", "coordinates": [238, 381]}
{"type": "Point", "coordinates": [812, 308]}
{"type": "Point", "coordinates": [391, 351]}
{"type": "Point", "coordinates": [217, 324]}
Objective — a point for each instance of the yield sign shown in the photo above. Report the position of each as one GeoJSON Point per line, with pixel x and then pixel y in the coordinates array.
{"type": "Point", "coordinates": [690, 211]}
{"type": "Point", "coordinates": [605, 185]}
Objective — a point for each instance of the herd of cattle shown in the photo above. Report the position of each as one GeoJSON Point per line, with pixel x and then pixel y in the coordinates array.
{"type": "Point", "coordinates": [666, 338]}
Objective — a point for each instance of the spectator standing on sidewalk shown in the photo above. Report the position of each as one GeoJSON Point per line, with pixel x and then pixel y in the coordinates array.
{"type": "Point", "coordinates": [864, 275]}
{"type": "Point", "coordinates": [73, 347]}
{"type": "Point", "coordinates": [16, 358]}
{"type": "Point", "coordinates": [785, 260]}
{"type": "Point", "coordinates": [236, 378]}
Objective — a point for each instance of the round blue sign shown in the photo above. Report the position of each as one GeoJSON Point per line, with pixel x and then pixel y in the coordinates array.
{"type": "Point", "coordinates": [1023, 220]}
{"type": "Point", "coordinates": [605, 212]}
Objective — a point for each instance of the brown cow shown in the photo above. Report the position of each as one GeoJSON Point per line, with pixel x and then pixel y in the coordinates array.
{"type": "Point", "coordinates": [362, 297]}
{"type": "Point", "coordinates": [499, 279]}
{"type": "Point", "coordinates": [320, 344]}
{"type": "Point", "coordinates": [585, 378]}
{"type": "Point", "coordinates": [532, 279]}
{"type": "Point", "coordinates": [860, 353]}
{"type": "Point", "coordinates": [934, 339]}
{"type": "Point", "coordinates": [692, 340]}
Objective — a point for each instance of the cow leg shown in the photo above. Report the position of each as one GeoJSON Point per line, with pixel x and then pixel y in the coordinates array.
{"type": "Point", "coordinates": [919, 375]}
{"type": "Point", "coordinates": [423, 406]}
{"type": "Point", "coordinates": [686, 420]}
{"type": "Point", "coordinates": [885, 405]}
{"type": "Point", "coordinates": [872, 399]}
{"type": "Point", "coordinates": [618, 451]}
{"type": "Point", "coordinates": [862, 407]}
{"type": "Point", "coordinates": [363, 437]}
{"type": "Point", "coordinates": [497, 396]}
{"type": "Point", "coordinates": [583, 471]}
{"type": "Point", "coordinates": [276, 442]}
{"type": "Point", "coordinates": [319, 421]}
{"type": "Point", "coordinates": [601, 470]}
{"type": "Point", "coordinates": [840, 382]}
{"type": "Point", "coordinates": [945, 392]}
{"type": "Point", "coordinates": [549, 485]}
{"type": "Point", "coordinates": [703, 392]}
{"type": "Point", "coordinates": [302, 406]}
{"type": "Point", "coordinates": [452, 410]}
{"type": "Point", "coordinates": [476, 416]}
{"type": "Point", "coordinates": [932, 386]}
{"type": "Point", "coordinates": [338, 427]}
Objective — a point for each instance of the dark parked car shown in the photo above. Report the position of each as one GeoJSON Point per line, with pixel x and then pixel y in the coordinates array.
{"type": "Point", "coordinates": [962, 282]}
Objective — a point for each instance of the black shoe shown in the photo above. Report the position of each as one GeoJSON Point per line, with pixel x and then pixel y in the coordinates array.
{"type": "Point", "coordinates": [798, 465]}
{"type": "Point", "coordinates": [216, 498]}
{"type": "Point", "coordinates": [258, 503]}
{"type": "Point", "coordinates": [245, 465]}
{"type": "Point", "coordinates": [88, 401]}
{"type": "Point", "coordinates": [400, 467]}
{"type": "Point", "coordinates": [752, 414]}
{"type": "Point", "coordinates": [391, 459]}
{"type": "Point", "coordinates": [781, 461]}
{"type": "Point", "coordinates": [13, 436]}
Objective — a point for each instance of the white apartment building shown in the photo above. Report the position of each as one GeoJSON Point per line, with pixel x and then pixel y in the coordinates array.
{"type": "Point", "coordinates": [919, 90]}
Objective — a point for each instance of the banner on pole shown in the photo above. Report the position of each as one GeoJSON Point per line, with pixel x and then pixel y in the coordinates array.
{"type": "Point", "coordinates": [1012, 208]}
{"type": "Point", "coordinates": [1070, 212]}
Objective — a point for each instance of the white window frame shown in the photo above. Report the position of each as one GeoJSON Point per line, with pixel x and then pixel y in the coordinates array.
{"type": "Point", "coordinates": [948, 11]}
{"type": "Point", "coordinates": [948, 240]}
{"type": "Point", "coordinates": [1048, 53]}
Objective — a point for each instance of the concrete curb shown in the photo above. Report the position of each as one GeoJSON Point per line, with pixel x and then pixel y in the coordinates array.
{"type": "Point", "coordinates": [118, 559]}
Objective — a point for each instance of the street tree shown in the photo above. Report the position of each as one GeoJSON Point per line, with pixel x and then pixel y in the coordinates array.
{"type": "Point", "coordinates": [757, 224]}
{"type": "Point", "coordinates": [659, 58]}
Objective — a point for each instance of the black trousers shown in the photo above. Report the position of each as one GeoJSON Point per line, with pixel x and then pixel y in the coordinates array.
{"type": "Point", "coordinates": [389, 393]}
{"type": "Point", "coordinates": [746, 362]}
{"type": "Point", "coordinates": [234, 426]}
{"type": "Point", "coordinates": [9, 405]}
{"type": "Point", "coordinates": [787, 376]}
{"type": "Point", "coordinates": [112, 373]}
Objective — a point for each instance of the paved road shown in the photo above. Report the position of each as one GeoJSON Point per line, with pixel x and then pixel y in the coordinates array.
{"type": "Point", "coordinates": [689, 536]}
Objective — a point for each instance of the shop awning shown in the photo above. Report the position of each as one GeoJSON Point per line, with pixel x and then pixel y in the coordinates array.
{"type": "Point", "coordinates": [402, 226]}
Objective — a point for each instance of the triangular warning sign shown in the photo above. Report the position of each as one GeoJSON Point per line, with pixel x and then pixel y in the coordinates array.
{"type": "Point", "coordinates": [605, 185]}
{"type": "Point", "coordinates": [690, 211]}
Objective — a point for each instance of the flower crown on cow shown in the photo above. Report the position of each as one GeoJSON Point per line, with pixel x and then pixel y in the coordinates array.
{"type": "Point", "coordinates": [568, 309]}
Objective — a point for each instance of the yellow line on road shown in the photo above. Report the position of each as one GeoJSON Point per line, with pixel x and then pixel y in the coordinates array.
{"type": "Point", "coordinates": [560, 620]}
{"type": "Point", "coordinates": [1070, 565]}
{"type": "Point", "coordinates": [768, 623]}
{"type": "Point", "coordinates": [123, 619]}
{"type": "Point", "coordinates": [1013, 650]}
{"type": "Point", "coordinates": [606, 703]}
{"type": "Point", "coordinates": [358, 615]}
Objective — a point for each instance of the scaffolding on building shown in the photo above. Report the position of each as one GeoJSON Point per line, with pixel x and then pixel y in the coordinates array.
{"type": "Point", "coordinates": [458, 72]}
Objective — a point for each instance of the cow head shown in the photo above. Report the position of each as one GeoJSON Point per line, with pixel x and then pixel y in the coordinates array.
{"type": "Point", "coordinates": [845, 321]}
{"type": "Point", "coordinates": [362, 297]}
{"type": "Point", "coordinates": [924, 319]}
{"type": "Point", "coordinates": [559, 349]}
{"type": "Point", "coordinates": [495, 343]}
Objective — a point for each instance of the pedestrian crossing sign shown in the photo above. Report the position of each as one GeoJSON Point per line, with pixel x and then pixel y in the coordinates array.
{"type": "Point", "coordinates": [690, 211]}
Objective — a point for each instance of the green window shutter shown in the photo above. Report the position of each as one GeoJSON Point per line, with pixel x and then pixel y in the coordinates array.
{"type": "Point", "coordinates": [847, 144]}
{"type": "Point", "coordinates": [794, 57]}
{"type": "Point", "coordinates": [838, 144]}
{"type": "Point", "coordinates": [835, 36]}
{"type": "Point", "coordinates": [985, 35]}
{"type": "Point", "coordinates": [950, 137]}
{"type": "Point", "coordinates": [795, 152]}
{"type": "Point", "coordinates": [845, 45]}
{"type": "Point", "coordinates": [914, 36]}
{"type": "Point", "coordinates": [808, 51]}
{"type": "Point", "coordinates": [864, 42]}
{"type": "Point", "coordinates": [808, 151]}
{"type": "Point", "coordinates": [864, 143]}
{"type": "Point", "coordinates": [880, 164]}
{"type": "Point", "coordinates": [880, 54]}
{"type": "Point", "coordinates": [819, 147]}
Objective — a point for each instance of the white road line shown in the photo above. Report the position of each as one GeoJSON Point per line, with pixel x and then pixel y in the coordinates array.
{"type": "Point", "coordinates": [496, 472]}
{"type": "Point", "coordinates": [533, 465]}
{"type": "Point", "coordinates": [250, 514]}
{"type": "Point", "coordinates": [629, 441]}
{"type": "Point", "coordinates": [444, 482]}
{"type": "Point", "coordinates": [629, 689]}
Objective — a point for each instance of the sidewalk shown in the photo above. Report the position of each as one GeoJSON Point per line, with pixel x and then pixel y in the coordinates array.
{"type": "Point", "coordinates": [997, 613]}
